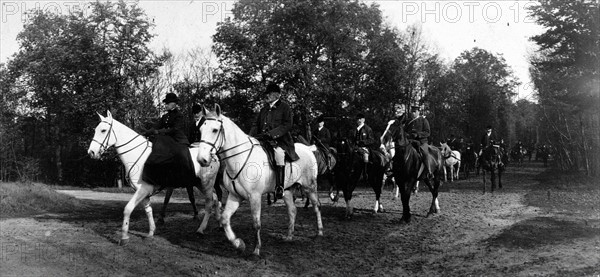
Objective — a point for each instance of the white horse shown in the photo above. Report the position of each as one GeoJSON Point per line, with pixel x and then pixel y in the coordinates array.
{"type": "Point", "coordinates": [249, 176]}
{"type": "Point", "coordinates": [134, 149]}
{"type": "Point", "coordinates": [451, 160]}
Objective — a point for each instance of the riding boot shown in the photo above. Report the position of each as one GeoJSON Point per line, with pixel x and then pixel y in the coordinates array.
{"type": "Point", "coordinates": [279, 178]}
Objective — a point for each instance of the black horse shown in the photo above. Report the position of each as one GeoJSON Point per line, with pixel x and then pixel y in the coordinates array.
{"type": "Point", "coordinates": [351, 168]}
{"type": "Point", "coordinates": [192, 198]}
{"type": "Point", "coordinates": [469, 159]}
{"type": "Point", "coordinates": [407, 168]}
{"type": "Point", "coordinates": [493, 160]}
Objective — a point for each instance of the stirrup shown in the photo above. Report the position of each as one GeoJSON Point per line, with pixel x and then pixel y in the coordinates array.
{"type": "Point", "coordinates": [278, 192]}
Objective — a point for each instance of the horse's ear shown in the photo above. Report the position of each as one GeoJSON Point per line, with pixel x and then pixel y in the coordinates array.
{"type": "Point", "coordinates": [204, 111]}
{"type": "Point", "coordinates": [101, 117]}
{"type": "Point", "coordinates": [218, 109]}
{"type": "Point", "coordinates": [108, 114]}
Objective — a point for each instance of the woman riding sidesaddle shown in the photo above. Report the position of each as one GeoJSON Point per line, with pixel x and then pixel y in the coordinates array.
{"type": "Point", "coordinates": [170, 163]}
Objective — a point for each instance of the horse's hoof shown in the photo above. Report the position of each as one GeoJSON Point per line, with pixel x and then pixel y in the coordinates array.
{"type": "Point", "coordinates": [239, 245]}
{"type": "Point", "coordinates": [253, 257]}
{"type": "Point", "coordinates": [123, 242]}
{"type": "Point", "coordinates": [405, 220]}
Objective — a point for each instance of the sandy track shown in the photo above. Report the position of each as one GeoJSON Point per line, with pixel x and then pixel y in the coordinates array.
{"type": "Point", "coordinates": [475, 234]}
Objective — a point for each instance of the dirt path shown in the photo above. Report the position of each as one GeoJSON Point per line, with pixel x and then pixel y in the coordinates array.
{"type": "Point", "coordinates": [475, 234]}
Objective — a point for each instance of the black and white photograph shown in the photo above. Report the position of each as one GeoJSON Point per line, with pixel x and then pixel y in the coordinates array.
{"type": "Point", "coordinates": [300, 138]}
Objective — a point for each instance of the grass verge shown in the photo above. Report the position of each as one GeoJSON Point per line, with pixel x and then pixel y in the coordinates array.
{"type": "Point", "coordinates": [24, 199]}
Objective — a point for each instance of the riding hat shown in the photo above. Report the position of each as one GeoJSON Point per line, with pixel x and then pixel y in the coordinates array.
{"type": "Point", "coordinates": [272, 88]}
{"type": "Point", "coordinates": [320, 119]}
{"type": "Point", "coordinates": [171, 98]}
{"type": "Point", "coordinates": [196, 108]}
{"type": "Point", "coordinates": [489, 127]}
{"type": "Point", "coordinates": [360, 115]}
{"type": "Point", "coordinates": [415, 107]}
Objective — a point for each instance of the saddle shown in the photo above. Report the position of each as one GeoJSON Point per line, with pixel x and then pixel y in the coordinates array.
{"type": "Point", "coordinates": [379, 158]}
{"type": "Point", "coordinates": [269, 148]}
{"type": "Point", "coordinates": [322, 164]}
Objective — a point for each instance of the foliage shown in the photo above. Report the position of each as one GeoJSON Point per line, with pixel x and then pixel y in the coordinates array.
{"type": "Point", "coordinates": [329, 55]}
{"type": "Point", "coordinates": [72, 65]}
{"type": "Point", "coordinates": [566, 74]}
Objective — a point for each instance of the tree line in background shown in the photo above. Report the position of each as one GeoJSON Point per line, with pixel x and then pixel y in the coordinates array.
{"type": "Point", "coordinates": [333, 58]}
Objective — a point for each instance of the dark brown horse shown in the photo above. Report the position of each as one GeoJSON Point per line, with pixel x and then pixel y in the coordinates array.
{"type": "Point", "coordinates": [351, 168]}
{"type": "Point", "coordinates": [492, 160]}
{"type": "Point", "coordinates": [407, 168]}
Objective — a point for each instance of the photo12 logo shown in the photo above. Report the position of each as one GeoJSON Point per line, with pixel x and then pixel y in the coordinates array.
{"type": "Point", "coordinates": [466, 11]}
{"type": "Point", "coordinates": [25, 9]}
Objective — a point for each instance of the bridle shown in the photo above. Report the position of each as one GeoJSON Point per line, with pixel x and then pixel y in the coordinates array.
{"type": "Point", "coordinates": [104, 145]}
{"type": "Point", "coordinates": [221, 153]}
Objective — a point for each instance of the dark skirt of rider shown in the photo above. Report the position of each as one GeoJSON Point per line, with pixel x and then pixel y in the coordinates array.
{"type": "Point", "coordinates": [169, 165]}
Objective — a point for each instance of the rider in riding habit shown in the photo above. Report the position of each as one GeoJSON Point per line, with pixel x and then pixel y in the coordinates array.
{"type": "Point", "coordinates": [274, 123]}
{"type": "Point", "coordinates": [362, 137]}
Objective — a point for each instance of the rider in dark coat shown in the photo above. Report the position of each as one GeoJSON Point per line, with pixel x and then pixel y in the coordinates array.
{"type": "Point", "coordinates": [322, 133]}
{"type": "Point", "coordinates": [322, 138]}
{"type": "Point", "coordinates": [274, 123]}
{"type": "Point", "coordinates": [169, 163]}
{"type": "Point", "coordinates": [362, 135]}
{"type": "Point", "coordinates": [418, 131]}
{"type": "Point", "coordinates": [194, 132]}
{"type": "Point", "coordinates": [486, 140]}
{"type": "Point", "coordinates": [362, 138]}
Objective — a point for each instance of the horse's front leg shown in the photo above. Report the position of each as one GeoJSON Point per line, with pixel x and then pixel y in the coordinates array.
{"type": "Point", "coordinates": [405, 199]}
{"type": "Point", "coordinates": [161, 215]}
{"type": "Point", "coordinates": [314, 199]}
{"type": "Point", "coordinates": [148, 210]}
{"type": "Point", "coordinates": [232, 204]}
{"type": "Point", "coordinates": [291, 209]}
{"type": "Point", "coordinates": [376, 181]}
{"type": "Point", "coordinates": [142, 193]}
{"type": "Point", "coordinates": [435, 207]}
{"type": "Point", "coordinates": [499, 179]}
{"type": "Point", "coordinates": [209, 201]}
{"type": "Point", "coordinates": [190, 192]}
{"type": "Point", "coordinates": [255, 209]}
{"type": "Point", "coordinates": [483, 174]}
{"type": "Point", "coordinates": [493, 178]}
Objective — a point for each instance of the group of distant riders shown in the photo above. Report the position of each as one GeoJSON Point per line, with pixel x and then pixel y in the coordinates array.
{"type": "Point", "coordinates": [273, 125]}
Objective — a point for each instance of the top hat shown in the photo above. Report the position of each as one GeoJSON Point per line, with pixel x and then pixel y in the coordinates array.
{"type": "Point", "coordinates": [171, 98]}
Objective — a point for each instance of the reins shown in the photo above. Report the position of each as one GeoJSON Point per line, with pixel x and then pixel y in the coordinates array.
{"type": "Point", "coordinates": [107, 139]}
{"type": "Point", "coordinates": [221, 153]}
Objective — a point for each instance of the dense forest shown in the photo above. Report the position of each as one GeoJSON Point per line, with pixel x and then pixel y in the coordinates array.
{"type": "Point", "coordinates": [332, 58]}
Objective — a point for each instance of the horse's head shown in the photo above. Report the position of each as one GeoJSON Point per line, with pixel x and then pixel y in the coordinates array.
{"type": "Point", "coordinates": [445, 149]}
{"type": "Point", "coordinates": [104, 136]}
{"type": "Point", "coordinates": [213, 135]}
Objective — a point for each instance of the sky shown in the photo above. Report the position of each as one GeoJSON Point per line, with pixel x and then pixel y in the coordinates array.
{"type": "Point", "coordinates": [448, 27]}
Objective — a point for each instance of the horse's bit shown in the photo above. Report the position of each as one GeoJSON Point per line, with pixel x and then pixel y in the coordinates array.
{"type": "Point", "coordinates": [107, 139]}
